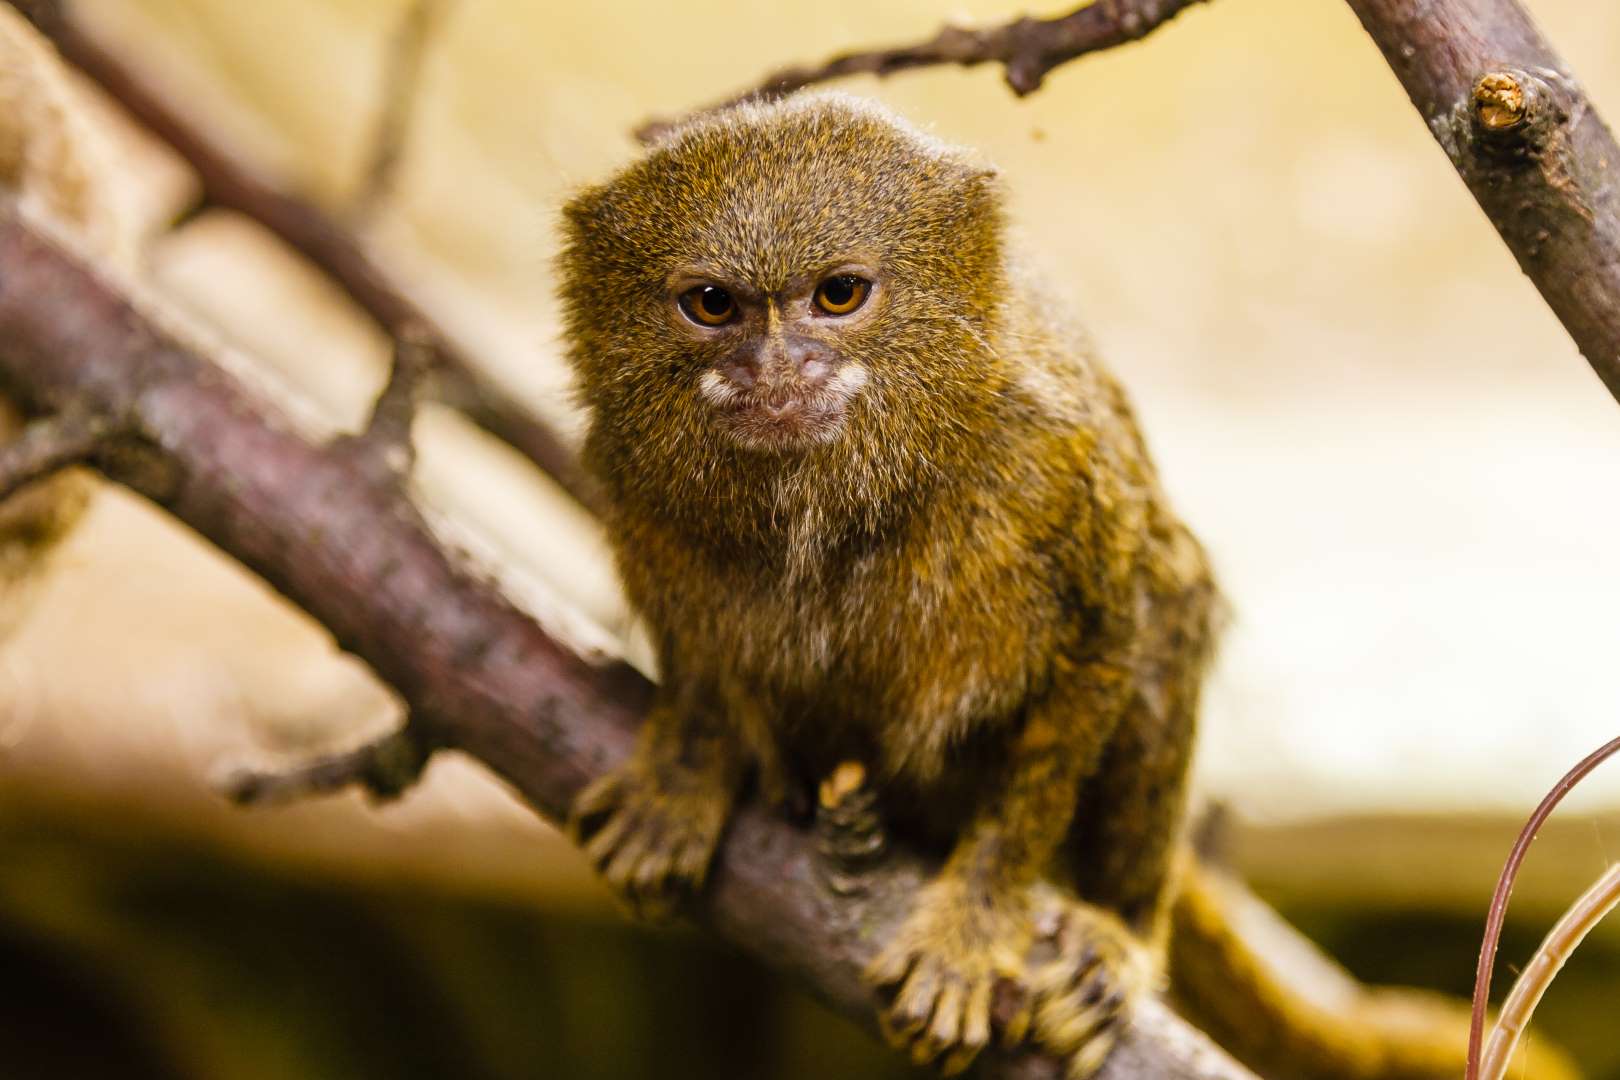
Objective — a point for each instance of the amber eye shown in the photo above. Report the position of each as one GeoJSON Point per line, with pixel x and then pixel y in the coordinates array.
{"type": "Point", "coordinates": [708, 305]}
{"type": "Point", "coordinates": [842, 294]}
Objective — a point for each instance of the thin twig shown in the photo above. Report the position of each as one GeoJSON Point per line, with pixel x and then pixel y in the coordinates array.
{"type": "Point", "coordinates": [401, 85]}
{"type": "Point", "coordinates": [1027, 48]}
{"type": "Point", "coordinates": [47, 446]}
{"type": "Point", "coordinates": [385, 768]}
{"type": "Point", "coordinates": [1559, 945]}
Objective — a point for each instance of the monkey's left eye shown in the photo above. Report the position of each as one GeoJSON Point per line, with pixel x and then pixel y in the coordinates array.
{"type": "Point", "coordinates": [841, 294]}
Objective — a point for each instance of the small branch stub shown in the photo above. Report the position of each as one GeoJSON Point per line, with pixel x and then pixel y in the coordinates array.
{"type": "Point", "coordinates": [1499, 102]}
{"type": "Point", "coordinates": [1515, 114]}
{"type": "Point", "coordinates": [386, 441]}
{"type": "Point", "coordinates": [385, 768]}
{"type": "Point", "coordinates": [48, 446]}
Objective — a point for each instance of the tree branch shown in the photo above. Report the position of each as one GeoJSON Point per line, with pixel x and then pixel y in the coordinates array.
{"type": "Point", "coordinates": [1027, 48]}
{"type": "Point", "coordinates": [475, 673]}
{"type": "Point", "coordinates": [320, 239]}
{"type": "Point", "coordinates": [1530, 146]}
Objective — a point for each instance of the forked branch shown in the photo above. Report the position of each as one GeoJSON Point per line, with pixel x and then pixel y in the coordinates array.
{"type": "Point", "coordinates": [319, 237]}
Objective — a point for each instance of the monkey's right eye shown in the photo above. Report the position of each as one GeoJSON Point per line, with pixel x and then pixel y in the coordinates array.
{"type": "Point", "coordinates": [708, 305]}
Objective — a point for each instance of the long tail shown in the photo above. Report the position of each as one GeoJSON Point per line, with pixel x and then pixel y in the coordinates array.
{"type": "Point", "coordinates": [1282, 1007]}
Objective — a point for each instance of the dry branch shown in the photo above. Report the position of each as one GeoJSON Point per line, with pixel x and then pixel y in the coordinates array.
{"type": "Point", "coordinates": [1530, 146]}
{"type": "Point", "coordinates": [1026, 48]}
{"type": "Point", "coordinates": [319, 238]}
{"type": "Point", "coordinates": [345, 543]}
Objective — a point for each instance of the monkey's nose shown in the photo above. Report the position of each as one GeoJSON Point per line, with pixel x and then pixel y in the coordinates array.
{"type": "Point", "coordinates": [783, 409]}
{"type": "Point", "coordinates": [741, 374]}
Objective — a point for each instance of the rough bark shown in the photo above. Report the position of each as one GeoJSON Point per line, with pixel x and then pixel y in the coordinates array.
{"type": "Point", "coordinates": [343, 541]}
{"type": "Point", "coordinates": [1529, 145]}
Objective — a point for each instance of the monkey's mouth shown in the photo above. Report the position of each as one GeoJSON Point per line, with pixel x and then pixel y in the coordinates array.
{"type": "Point", "coordinates": [787, 424]}
{"type": "Point", "coordinates": [784, 415]}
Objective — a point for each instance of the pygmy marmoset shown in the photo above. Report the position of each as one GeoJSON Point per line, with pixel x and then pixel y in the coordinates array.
{"type": "Point", "coordinates": [877, 501]}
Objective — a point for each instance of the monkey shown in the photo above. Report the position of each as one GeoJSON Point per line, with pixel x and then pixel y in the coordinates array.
{"type": "Point", "coordinates": [877, 500]}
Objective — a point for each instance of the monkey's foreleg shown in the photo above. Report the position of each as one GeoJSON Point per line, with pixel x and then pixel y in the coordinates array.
{"type": "Point", "coordinates": [652, 826]}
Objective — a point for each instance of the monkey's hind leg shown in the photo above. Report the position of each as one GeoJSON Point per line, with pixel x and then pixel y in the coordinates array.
{"type": "Point", "coordinates": [971, 928]}
{"type": "Point", "coordinates": [652, 826]}
{"type": "Point", "coordinates": [1106, 950]}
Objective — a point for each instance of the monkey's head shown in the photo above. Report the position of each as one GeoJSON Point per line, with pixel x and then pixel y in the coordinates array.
{"type": "Point", "coordinates": [811, 278]}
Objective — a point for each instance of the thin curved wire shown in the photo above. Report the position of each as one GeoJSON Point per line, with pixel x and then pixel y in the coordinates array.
{"type": "Point", "coordinates": [1561, 942]}
{"type": "Point", "coordinates": [1504, 889]}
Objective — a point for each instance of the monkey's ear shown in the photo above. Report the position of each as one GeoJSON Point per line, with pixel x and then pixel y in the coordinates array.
{"type": "Point", "coordinates": [979, 189]}
{"type": "Point", "coordinates": [981, 177]}
{"type": "Point", "coordinates": [584, 207]}
{"type": "Point", "coordinates": [976, 180]}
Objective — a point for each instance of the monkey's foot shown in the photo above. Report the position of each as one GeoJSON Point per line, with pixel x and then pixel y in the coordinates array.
{"type": "Point", "coordinates": [1090, 970]}
{"type": "Point", "coordinates": [651, 840]}
{"type": "Point", "coordinates": [944, 970]}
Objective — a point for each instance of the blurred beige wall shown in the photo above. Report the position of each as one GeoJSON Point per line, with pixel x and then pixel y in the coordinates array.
{"type": "Point", "coordinates": [1402, 467]}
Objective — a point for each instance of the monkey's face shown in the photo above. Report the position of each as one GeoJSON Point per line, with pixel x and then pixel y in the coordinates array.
{"type": "Point", "coordinates": [808, 278]}
{"type": "Point", "coordinates": [774, 367]}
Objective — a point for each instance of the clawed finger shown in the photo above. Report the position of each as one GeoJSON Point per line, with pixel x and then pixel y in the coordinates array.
{"type": "Point", "coordinates": [1012, 1005]}
{"type": "Point", "coordinates": [1071, 1022]}
{"type": "Point", "coordinates": [942, 1032]}
{"type": "Point", "coordinates": [604, 846]}
{"type": "Point", "coordinates": [593, 806]}
{"type": "Point", "coordinates": [890, 967]}
{"type": "Point", "coordinates": [1089, 1058]}
{"type": "Point", "coordinates": [914, 1005]}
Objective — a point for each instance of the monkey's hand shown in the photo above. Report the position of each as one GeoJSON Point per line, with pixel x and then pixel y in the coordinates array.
{"type": "Point", "coordinates": [943, 968]}
{"type": "Point", "coordinates": [652, 826]}
{"type": "Point", "coordinates": [1086, 971]}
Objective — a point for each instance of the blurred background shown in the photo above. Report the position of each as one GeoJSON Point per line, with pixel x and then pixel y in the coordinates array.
{"type": "Point", "coordinates": [1394, 453]}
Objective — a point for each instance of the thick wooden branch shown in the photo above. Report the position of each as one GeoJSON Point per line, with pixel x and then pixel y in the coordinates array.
{"type": "Point", "coordinates": [1529, 145]}
{"type": "Point", "coordinates": [1026, 48]}
{"type": "Point", "coordinates": [344, 543]}
{"type": "Point", "coordinates": [320, 238]}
